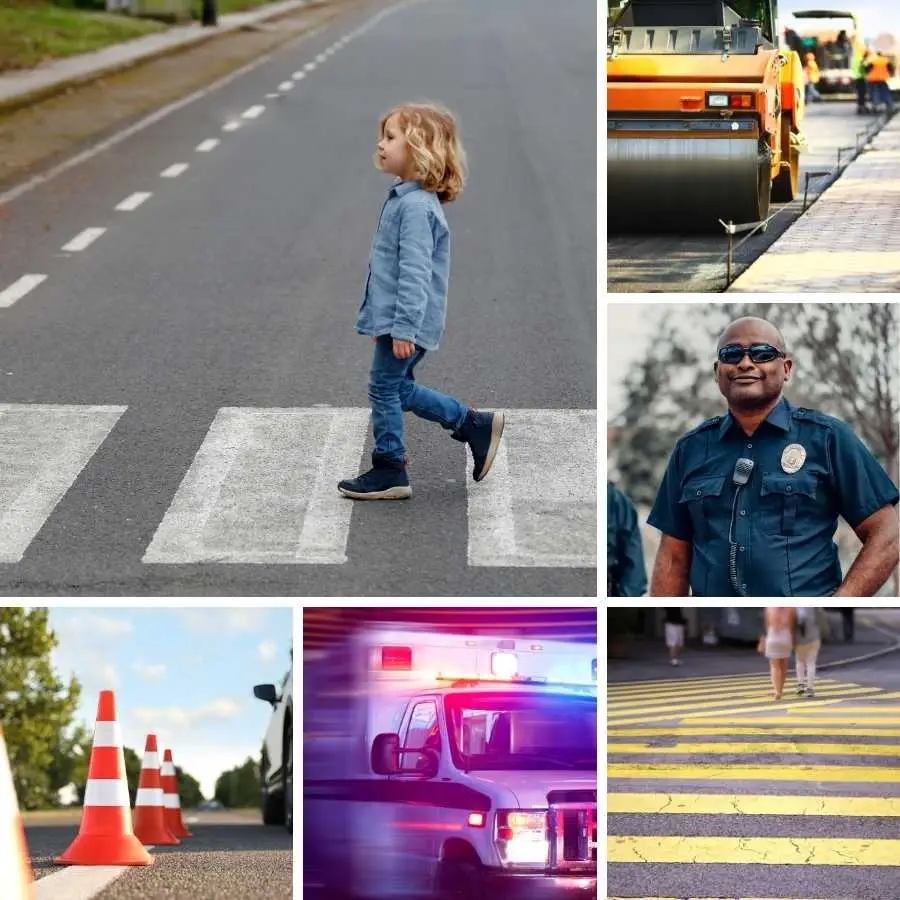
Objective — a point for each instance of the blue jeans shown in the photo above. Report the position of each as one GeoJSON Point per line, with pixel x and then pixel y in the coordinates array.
{"type": "Point", "coordinates": [881, 93]}
{"type": "Point", "coordinates": [393, 391]}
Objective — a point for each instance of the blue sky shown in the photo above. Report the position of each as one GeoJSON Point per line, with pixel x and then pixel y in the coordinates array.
{"type": "Point", "coordinates": [185, 674]}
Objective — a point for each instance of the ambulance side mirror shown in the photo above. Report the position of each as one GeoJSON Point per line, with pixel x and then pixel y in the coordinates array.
{"type": "Point", "coordinates": [386, 754]}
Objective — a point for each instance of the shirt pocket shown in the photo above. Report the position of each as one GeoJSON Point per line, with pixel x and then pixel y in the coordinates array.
{"type": "Point", "coordinates": [702, 498]}
{"type": "Point", "coordinates": [785, 501]}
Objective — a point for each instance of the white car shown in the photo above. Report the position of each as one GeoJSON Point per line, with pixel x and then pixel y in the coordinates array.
{"type": "Point", "coordinates": [276, 766]}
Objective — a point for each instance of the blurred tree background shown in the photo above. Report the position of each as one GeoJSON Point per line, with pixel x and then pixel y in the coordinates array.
{"type": "Point", "coordinates": [845, 364]}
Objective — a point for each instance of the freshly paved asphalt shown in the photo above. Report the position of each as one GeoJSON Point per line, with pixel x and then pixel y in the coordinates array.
{"type": "Point", "coordinates": [237, 284]}
{"type": "Point", "coordinates": [229, 856]}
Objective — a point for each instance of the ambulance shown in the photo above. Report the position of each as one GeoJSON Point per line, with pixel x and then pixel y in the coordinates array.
{"type": "Point", "coordinates": [450, 766]}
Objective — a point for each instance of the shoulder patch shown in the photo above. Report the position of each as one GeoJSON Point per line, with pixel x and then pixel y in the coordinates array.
{"type": "Point", "coordinates": [813, 415]}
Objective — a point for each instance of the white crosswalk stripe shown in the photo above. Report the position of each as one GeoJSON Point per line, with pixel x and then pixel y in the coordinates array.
{"type": "Point", "coordinates": [42, 450]}
{"type": "Point", "coordinates": [261, 488]}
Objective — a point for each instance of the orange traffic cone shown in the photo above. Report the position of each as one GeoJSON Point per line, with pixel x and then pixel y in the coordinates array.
{"type": "Point", "coordinates": [172, 802]}
{"type": "Point", "coordinates": [106, 837]}
{"type": "Point", "coordinates": [149, 812]}
{"type": "Point", "coordinates": [13, 852]}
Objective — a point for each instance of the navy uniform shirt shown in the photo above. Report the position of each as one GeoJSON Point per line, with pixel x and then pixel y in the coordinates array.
{"type": "Point", "coordinates": [625, 573]}
{"type": "Point", "coordinates": [784, 522]}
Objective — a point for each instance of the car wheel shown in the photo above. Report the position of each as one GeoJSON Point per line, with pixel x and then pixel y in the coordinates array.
{"type": "Point", "coordinates": [289, 777]}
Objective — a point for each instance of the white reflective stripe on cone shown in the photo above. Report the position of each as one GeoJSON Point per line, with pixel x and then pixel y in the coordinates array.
{"type": "Point", "coordinates": [149, 797]}
{"type": "Point", "coordinates": [107, 734]}
{"type": "Point", "coordinates": [171, 801]}
{"type": "Point", "coordinates": [107, 792]}
{"type": "Point", "coordinates": [168, 768]}
{"type": "Point", "coordinates": [151, 760]}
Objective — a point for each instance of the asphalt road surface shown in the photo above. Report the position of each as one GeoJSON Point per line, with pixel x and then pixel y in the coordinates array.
{"type": "Point", "coordinates": [716, 790]}
{"type": "Point", "coordinates": [183, 390]}
{"type": "Point", "coordinates": [696, 262]}
{"type": "Point", "coordinates": [231, 856]}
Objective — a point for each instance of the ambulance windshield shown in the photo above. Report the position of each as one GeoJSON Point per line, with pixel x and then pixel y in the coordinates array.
{"type": "Point", "coordinates": [523, 731]}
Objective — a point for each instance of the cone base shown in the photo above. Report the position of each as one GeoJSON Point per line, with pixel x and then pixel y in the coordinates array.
{"type": "Point", "coordinates": [105, 850]}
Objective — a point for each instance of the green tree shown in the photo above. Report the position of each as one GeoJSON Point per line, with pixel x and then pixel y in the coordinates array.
{"type": "Point", "coordinates": [36, 707]}
{"type": "Point", "coordinates": [189, 792]}
{"type": "Point", "coordinates": [239, 787]}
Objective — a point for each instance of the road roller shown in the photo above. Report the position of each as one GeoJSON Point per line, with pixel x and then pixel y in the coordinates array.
{"type": "Point", "coordinates": [703, 114]}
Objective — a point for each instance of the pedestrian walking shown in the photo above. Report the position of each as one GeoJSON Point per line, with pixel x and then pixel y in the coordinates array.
{"type": "Point", "coordinates": [859, 81]}
{"type": "Point", "coordinates": [625, 572]}
{"type": "Point", "coordinates": [811, 79]}
{"type": "Point", "coordinates": [806, 651]}
{"type": "Point", "coordinates": [778, 643]}
{"type": "Point", "coordinates": [750, 500]}
{"type": "Point", "coordinates": [674, 628]}
{"type": "Point", "coordinates": [847, 623]}
{"type": "Point", "coordinates": [878, 72]}
{"type": "Point", "coordinates": [405, 299]}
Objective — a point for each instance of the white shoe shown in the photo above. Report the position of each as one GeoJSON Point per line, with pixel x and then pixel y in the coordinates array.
{"type": "Point", "coordinates": [676, 662]}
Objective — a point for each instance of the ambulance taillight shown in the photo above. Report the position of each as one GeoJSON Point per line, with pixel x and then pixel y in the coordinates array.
{"type": "Point", "coordinates": [396, 659]}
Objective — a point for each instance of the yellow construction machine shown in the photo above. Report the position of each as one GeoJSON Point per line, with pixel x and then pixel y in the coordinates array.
{"type": "Point", "coordinates": [703, 114]}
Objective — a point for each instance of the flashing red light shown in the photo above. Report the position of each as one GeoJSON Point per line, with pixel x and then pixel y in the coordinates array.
{"type": "Point", "coordinates": [396, 659]}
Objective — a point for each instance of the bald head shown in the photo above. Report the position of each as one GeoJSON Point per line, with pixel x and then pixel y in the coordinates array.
{"type": "Point", "coordinates": [751, 329]}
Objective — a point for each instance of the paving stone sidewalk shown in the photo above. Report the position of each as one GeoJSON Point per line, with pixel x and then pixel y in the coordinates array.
{"type": "Point", "coordinates": [17, 88]}
{"type": "Point", "coordinates": [848, 241]}
{"type": "Point", "coordinates": [648, 659]}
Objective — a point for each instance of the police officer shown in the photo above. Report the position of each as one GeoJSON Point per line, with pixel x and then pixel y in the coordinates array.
{"type": "Point", "coordinates": [749, 502]}
{"type": "Point", "coordinates": [625, 572]}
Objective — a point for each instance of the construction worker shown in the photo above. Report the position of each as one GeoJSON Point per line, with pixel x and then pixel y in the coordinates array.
{"type": "Point", "coordinates": [811, 73]}
{"type": "Point", "coordinates": [878, 71]}
{"type": "Point", "coordinates": [859, 80]}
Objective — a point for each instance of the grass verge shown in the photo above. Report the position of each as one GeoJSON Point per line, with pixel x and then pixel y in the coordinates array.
{"type": "Point", "coordinates": [33, 32]}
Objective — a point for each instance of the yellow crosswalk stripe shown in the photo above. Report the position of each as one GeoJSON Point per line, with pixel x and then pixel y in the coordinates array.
{"type": "Point", "coordinates": [779, 720]}
{"type": "Point", "coordinates": [753, 805]}
{"type": "Point", "coordinates": [716, 727]}
{"type": "Point", "coordinates": [748, 748]}
{"type": "Point", "coordinates": [759, 691]}
{"type": "Point", "coordinates": [702, 772]}
{"type": "Point", "coordinates": [781, 851]}
{"type": "Point", "coordinates": [670, 714]}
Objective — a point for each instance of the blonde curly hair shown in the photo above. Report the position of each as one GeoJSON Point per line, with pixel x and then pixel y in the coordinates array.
{"type": "Point", "coordinates": [437, 157]}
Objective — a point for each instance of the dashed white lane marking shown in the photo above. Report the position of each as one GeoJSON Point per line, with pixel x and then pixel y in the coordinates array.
{"type": "Point", "coordinates": [538, 504]}
{"type": "Point", "coordinates": [207, 145]}
{"type": "Point", "coordinates": [286, 86]}
{"type": "Point", "coordinates": [231, 126]}
{"type": "Point", "coordinates": [272, 96]}
{"type": "Point", "coordinates": [84, 240]}
{"type": "Point", "coordinates": [43, 449]}
{"type": "Point", "coordinates": [321, 58]}
{"type": "Point", "coordinates": [18, 289]}
{"type": "Point", "coordinates": [309, 67]}
{"type": "Point", "coordinates": [134, 201]}
{"type": "Point", "coordinates": [263, 489]}
{"type": "Point", "coordinates": [254, 112]}
{"type": "Point", "coordinates": [298, 76]}
{"type": "Point", "coordinates": [174, 170]}
{"type": "Point", "coordinates": [77, 882]}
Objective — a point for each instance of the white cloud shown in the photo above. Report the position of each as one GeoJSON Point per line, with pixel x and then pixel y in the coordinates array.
{"type": "Point", "coordinates": [237, 619]}
{"type": "Point", "coordinates": [268, 650]}
{"type": "Point", "coordinates": [93, 624]}
{"type": "Point", "coordinates": [150, 673]}
{"type": "Point", "coordinates": [176, 716]}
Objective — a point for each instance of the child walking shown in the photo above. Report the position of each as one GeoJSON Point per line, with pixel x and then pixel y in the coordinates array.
{"type": "Point", "coordinates": [405, 302]}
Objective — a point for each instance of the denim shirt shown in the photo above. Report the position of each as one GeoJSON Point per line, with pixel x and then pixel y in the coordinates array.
{"type": "Point", "coordinates": [783, 527]}
{"type": "Point", "coordinates": [409, 268]}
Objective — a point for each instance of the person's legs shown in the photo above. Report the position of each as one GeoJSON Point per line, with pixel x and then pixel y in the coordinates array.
{"type": "Point", "coordinates": [773, 674]}
{"type": "Point", "coordinates": [427, 403]}
{"type": "Point", "coordinates": [781, 673]}
{"type": "Point", "coordinates": [800, 662]}
{"type": "Point", "coordinates": [860, 94]}
{"type": "Point", "coordinates": [811, 657]}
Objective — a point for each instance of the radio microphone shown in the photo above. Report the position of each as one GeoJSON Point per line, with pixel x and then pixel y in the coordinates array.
{"type": "Point", "coordinates": [742, 471]}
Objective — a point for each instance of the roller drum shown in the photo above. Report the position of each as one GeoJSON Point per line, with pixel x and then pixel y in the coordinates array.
{"type": "Point", "coordinates": [680, 184]}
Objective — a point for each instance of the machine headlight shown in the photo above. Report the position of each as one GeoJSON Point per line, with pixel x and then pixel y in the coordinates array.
{"type": "Point", "coordinates": [717, 100]}
{"type": "Point", "coordinates": [522, 837]}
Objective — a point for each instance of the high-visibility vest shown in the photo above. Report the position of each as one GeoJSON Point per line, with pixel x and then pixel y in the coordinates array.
{"type": "Point", "coordinates": [879, 70]}
{"type": "Point", "coordinates": [812, 71]}
{"type": "Point", "coordinates": [857, 66]}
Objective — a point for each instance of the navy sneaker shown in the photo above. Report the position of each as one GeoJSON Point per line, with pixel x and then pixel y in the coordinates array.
{"type": "Point", "coordinates": [386, 480]}
{"type": "Point", "coordinates": [482, 432]}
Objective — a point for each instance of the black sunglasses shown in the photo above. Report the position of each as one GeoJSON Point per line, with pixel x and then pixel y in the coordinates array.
{"type": "Point", "coordinates": [732, 354]}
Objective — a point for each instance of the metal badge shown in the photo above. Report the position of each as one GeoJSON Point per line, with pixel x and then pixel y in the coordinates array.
{"type": "Point", "coordinates": [792, 458]}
